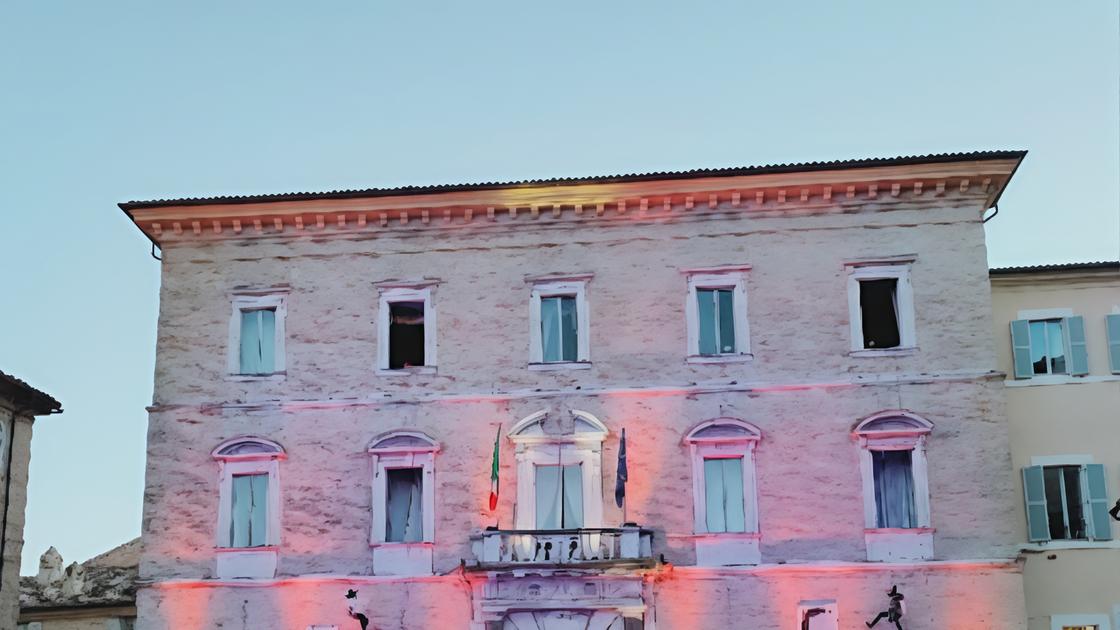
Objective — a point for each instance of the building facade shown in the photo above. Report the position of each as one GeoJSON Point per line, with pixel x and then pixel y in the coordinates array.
{"type": "Point", "coordinates": [1058, 340]}
{"type": "Point", "coordinates": [799, 355]}
{"type": "Point", "coordinates": [19, 405]}
{"type": "Point", "coordinates": [98, 594]}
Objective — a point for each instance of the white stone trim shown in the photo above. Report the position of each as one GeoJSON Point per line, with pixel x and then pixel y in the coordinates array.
{"type": "Point", "coordinates": [408, 293]}
{"type": "Point", "coordinates": [1059, 379]}
{"type": "Point", "coordinates": [227, 470]}
{"type": "Point", "coordinates": [573, 286]}
{"type": "Point", "coordinates": [257, 300]}
{"type": "Point", "coordinates": [1045, 313]}
{"type": "Point", "coordinates": [734, 278]}
{"type": "Point", "coordinates": [725, 548]}
{"type": "Point", "coordinates": [1070, 545]}
{"type": "Point", "coordinates": [908, 338]}
{"type": "Point", "coordinates": [382, 460]}
{"type": "Point", "coordinates": [1061, 460]}
{"type": "Point", "coordinates": [1058, 622]}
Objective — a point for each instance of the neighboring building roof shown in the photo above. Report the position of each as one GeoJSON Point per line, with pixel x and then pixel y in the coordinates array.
{"type": "Point", "coordinates": [24, 395]}
{"type": "Point", "coordinates": [1103, 265]}
{"type": "Point", "coordinates": [103, 581]}
{"type": "Point", "coordinates": [575, 181]}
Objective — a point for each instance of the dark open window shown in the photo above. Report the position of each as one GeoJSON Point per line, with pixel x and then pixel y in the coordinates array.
{"type": "Point", "coordinates": [878, 303]}
{"type": "Point", "coordinates": [406, 334]}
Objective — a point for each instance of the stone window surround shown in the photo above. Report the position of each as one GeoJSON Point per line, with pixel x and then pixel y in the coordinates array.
{"type": "Point", "coordinates": [1058, 622]}
{"type": "Point", "coordinates": [402, 558]}
{"type": "Point", "coordinates": [252, 299]}
{"type": "Point", "coordinates": [735, 277]}
{"type": "Point", "coordinates": [885, 544]}
{"type": "Point", "coordinates": [406, 291]}
{"type": "Point", "coordinates": [896, 267]}
{"type": "Point", "coordinates": [552, 286]}
{"type": "Point", "coordinates": [725, 548]}
{"type": "Point", "coordinates": [254, 562]}
{"type": "Point", "coordinates": [536, 448]}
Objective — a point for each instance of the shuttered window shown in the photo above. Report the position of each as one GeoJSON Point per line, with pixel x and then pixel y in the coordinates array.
{"type": "Point", "coordinates": [1112, 322]}
{"type": "Point", "coordinates": [716, 321]}
{"type": "Point", "coordinates": [258, 341]}
{"type": "Point", "coordinates": [1067, 502]}
{"type": "Point", "coordinates": [1049, 346]}
{"type": "Point", "coordinates": [559, 329]}
{"type": "Point", "coordinates": [723, 495]}
{"type": "Point", "coordinates": [249, 516]}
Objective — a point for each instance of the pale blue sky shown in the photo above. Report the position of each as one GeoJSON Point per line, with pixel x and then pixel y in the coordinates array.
{"type": "Point", "coordinates": [109, 101]}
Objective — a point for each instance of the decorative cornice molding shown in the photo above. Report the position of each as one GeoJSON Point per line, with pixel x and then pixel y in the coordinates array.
{"type": "Point", "coordinates": [809, 192]}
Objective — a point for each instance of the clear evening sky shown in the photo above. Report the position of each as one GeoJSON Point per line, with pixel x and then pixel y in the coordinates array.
{"type": "Point", "coordinates": [109, 101]}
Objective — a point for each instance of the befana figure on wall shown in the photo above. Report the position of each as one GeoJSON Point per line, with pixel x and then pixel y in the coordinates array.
{"type": "Point", "coordinates": [894, 611]}
{"type": "Point", "coordinates": [1115, 511]}
{"type": "Point", "coordinates": [809, 614]}
{"type": "Point", "coordinates": [352, 601]}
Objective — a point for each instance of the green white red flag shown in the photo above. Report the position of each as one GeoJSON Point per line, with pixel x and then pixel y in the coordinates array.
{"type": "Point", "coordinates": [494, 473]}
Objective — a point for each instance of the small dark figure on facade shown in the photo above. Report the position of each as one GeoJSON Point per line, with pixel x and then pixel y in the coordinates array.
{"type": "Point", "coordinates": [809, 614]}
{"type": "Point", "coordinates": [1115, 511]}
{"type": "Point", "coordinates": [893, 613]}
{"type": "Point", "coordinates": [352, 596]}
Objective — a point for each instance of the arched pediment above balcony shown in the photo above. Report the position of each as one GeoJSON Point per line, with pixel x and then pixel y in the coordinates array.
{"type": "Point", "coordinates": [586, 428]}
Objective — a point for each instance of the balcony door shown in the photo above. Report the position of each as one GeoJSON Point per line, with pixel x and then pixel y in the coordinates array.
{"type": "Point", "coordinates": [564, 620]}
{"type": "Point", "coordinates": [559, 496]}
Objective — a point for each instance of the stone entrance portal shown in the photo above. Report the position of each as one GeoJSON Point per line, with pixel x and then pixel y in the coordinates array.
{"type": "Point", "coordinates": [564, 620]}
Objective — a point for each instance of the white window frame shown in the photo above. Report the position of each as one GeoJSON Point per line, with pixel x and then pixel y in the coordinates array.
{"type": "Point", "coordinates": [558, 287]}
{"type": "Point", "coordinates": [1080, 461]}
{"type": "Point", "coordinates": [411, 292]}
{"type": "Point", "coordinates": [251, 301]}
{"type": "Point", "coordinates": [248, 464]}
{"type": "Point", "coordinates": [734, 278]}
{"type": "Point", "coordinates": [1058, 622]}
{"type": "Point", "coordinates": [915, 543]}
{"type": "Point", "coordinates": [904, 291]}
{"type": "Point", "coordinates": [725, 548]}
{"type": "Point", "coordinates": [535, 447]}
{"type": "Point", "coordinates": [383, 459]}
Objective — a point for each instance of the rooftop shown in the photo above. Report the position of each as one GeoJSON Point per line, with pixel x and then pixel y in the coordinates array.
{"type": "Point", "coordinates": [1102, 265]}
{"type": "Point", "coordinates": [24, 395]}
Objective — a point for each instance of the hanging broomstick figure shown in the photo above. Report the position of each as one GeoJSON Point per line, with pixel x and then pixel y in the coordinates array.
{"type": "Point", "coordinates": [893, 613]}
{"type": "Point", "coordinates": [809, 614]}
{"type": "Point", "coordinates": [1115, 511]}
{"type": "Point", "coordinates": [352, 596]}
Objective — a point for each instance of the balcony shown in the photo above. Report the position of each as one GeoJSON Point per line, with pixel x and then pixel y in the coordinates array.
{"type": "Point", "coordinates": [497, 549]}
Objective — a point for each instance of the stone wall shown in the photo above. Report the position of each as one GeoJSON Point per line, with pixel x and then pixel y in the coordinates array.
{"type": "Point", "coordinates": [18, 429]}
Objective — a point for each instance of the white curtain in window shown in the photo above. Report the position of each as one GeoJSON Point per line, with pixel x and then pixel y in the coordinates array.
{"type": "Point", "coordinates": [894, 489]}
{"type": "Point", "coordinates": [548, 497]}
{"type": "Point", "coordinates": [573, 497]}
{"type": "Point", "coordinates": [560, 497]}
{"type": "Point", "coordinates": [550, 329]}
{"type": "Point", "coordinates": [404, 522]}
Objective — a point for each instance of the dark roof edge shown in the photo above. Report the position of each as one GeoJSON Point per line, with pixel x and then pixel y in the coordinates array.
{"type": "Point", "coordinates": [1104, 265]}
{"type": "Point", "coordinates": [937, 158]}
{"type": "Point", "coordinates": [27, 397]}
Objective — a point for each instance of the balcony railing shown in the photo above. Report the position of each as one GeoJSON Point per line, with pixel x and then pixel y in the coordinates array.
{"type": "Point", "coordinates": [588, 547]}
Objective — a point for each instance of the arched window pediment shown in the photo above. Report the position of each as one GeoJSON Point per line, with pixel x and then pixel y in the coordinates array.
{"type": "Point", "coordinates": [892, 424]}
{"type": "Point", "coordinates": [248, 447]}
{"type": "Point", "coordinates": [586, 428]}
{"type": "Point", "coordinates": [723, 430]}
{"type": "Point", "coordinates": [403, 442]}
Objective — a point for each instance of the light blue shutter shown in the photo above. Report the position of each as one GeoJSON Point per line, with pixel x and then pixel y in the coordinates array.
{"type": "Point", "coordinates": [1112, 322]}
{"type": "Point", "coordinates": [713, 496]}
{"type": "Point", "coordinates": [1021, 348]}
{"type": "Point", "coordinates": [706, 321]}
{"type": "Point", "coordinates": [250, 343]}
{"type": "Point", "coordinates": [733, 498]}
{"type": "Point", "coordinates": [573, 497]}
{"type": "Point", "coordinates": [258, 516]}
{"type": "Point", "coordinates": [570, 336]}
{"type": "Point", "coordinates": [241, 505]}
{"type": "Point", "coordinates": [1101, 527]}
{"type": "Point", "coordinates": [268, 341]}
{"type": "Point", "coordinates": [726, 321]}
{"type": "Point", "coordinates": [1078, 354]}
{"type": "Point", "coordinates": [1034, 495]}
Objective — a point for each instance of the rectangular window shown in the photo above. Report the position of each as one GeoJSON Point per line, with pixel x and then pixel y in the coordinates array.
{"type": "Point", "coordinates": [894, 489]}
{"type": "Point", "coordinates": [406, 335]}
{"type": "Point", "coordinates": [1048, 354]}
{"type": "Point", "coordinates": [559, 497]}
{"type": "Point", "coordinates": [559, 329]}
{"type": "Point", "coordinates": [249, 516]}
{"type": "Point", "coordinates": [403, 505]}
{"type": "Point", "coordinates": [878, 303]}
{"type": "Point", "coordinates": [1051, 345]}
{"type": "Point", "coordinates": [717, 321]}
{"type": "Point", "coordinates": [1064, 512]}
{"type": "Point", "coordinates": [258, 341]}
{"type": "Point", "coordinates": [723, 495]}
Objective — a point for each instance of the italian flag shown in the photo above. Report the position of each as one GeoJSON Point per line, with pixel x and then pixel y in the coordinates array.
{"type": "Point", "coordinates": [494, 473]}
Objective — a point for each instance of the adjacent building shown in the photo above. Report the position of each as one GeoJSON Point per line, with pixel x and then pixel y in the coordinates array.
{"type": "Point", "coordinates": [20, 404]}
{"type": "Point", "coordinates": [1058, 341]}
{"type": "Point", "coordinates": [98, 594]}
{"type": "Point", "coordinates": [800, 356]}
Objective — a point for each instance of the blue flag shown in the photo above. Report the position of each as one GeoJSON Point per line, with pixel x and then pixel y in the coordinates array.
{"type": "Point", "coordinates": [620, 480]}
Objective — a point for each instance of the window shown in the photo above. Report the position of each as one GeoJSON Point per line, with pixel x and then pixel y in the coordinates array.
{"type": "Point", "coordinates": [559, 477]}
{"type": "Point", "coordinates": [559, 496]}
{"type": "Point", "coordinates": [1066, 499]}
{"type": "Point", "coordinates": [881, 308]}
{"type": "Point", "coordinates": [403, 500]}
{"type": "Point", "coordinates": [725, 504]}
{"type": "Point", "coordinates": [1049, 343]}
{"type": "Point", "coordinates": [716, 315]}
{"type": "Point", "coordinates": [407, 329]}
{"type": "Point", "coordinates": [1080, 622]}
{"type": "Point", "coordinates": [256, 335]}
{"type": "Point", "coordinates": [895, 486]}
{"type": "Point", "coordinates": [558, 323]}
{"type": "Point", "coordinates": [1112, 326]}
{"type": "Point", "coordinates": [249, 506]}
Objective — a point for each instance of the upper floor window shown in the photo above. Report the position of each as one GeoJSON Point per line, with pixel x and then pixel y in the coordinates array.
{"type": "Point", "coordinates": [249, 494]}
{"type": "Point", "coordinates": [1112, 328]}
{"type": "Point", "coordinates": [881, 308]}
{"type": "Point", "coordinates": [1049, 342]}
{"type": "Point", "coordinates": [558, 322]}
{"type": "Point", "coordinates": [716, 315]}
{"type": "Point", "coordinates": [406, 339]}
{"type": "Point", "coordinates": [1066, 499]}
{"type": "Point", "coordinates": [256, 334]}
{"type": "Point", "coordinates": [724, 492]}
